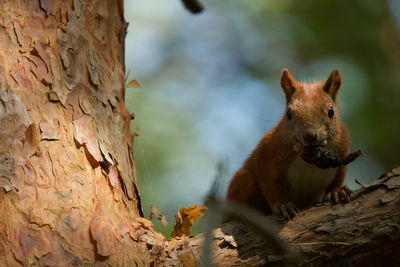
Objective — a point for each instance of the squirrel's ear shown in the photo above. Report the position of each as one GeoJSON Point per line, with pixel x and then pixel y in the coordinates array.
{"type": "Point", "coordinates": [287, 83]}
{"type": "Point", "coordinates": [333, 83]}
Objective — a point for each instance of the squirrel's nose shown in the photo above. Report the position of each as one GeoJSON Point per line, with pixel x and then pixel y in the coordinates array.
{"type": "Point", "coordinates": [310, 137]}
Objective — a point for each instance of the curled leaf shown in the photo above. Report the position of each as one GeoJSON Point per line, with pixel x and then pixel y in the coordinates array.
{"type": "Point", "coordinates": [185, 218]}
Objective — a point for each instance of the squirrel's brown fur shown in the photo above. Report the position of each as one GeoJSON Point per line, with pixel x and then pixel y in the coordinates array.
{"type": "Point", "coordinates": [274, 177]}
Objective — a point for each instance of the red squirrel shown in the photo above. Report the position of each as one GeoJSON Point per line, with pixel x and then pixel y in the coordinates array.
{"type": "Point", "coordinates": [276, 177]}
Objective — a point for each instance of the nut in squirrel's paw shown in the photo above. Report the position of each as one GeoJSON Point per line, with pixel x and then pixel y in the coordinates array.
{"type": "Point", "coordinates": [323, 158]}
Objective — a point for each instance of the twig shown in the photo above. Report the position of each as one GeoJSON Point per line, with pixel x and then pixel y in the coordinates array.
{"type": "Point", "coordinates": [193, 6]}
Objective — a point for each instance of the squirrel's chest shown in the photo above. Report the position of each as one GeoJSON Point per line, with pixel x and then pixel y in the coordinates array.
{"type": "Point", "coordinates": [305, 184]}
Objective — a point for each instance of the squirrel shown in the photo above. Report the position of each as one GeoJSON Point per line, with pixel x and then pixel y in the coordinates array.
{"type": "Point", "coordinates": [277, 177]}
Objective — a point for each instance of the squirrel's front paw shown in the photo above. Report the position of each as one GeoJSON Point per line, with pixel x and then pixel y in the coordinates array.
{"type": "Point", "coordinates": [287, 210]}
{"type": "Point", "coordinates": [338, 195]}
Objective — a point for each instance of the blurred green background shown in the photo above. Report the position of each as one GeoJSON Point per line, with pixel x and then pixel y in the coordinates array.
{"type": "Point", "coordinates": [210, 84]}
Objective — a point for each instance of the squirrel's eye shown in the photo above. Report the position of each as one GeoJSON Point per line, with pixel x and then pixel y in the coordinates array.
{"type": "Point", "coordinates": [289, 113]}
{"type": "Point", "coordinates": [330, 112]}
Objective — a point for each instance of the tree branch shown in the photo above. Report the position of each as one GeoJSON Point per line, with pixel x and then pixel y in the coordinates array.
{"type": "Point", "coordinates": [364, 231]}
{"type": "Point", "coordinates": [194, 6]}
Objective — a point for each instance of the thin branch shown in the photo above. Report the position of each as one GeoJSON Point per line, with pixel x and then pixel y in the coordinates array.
{"type": "Point", "coordinates": [193, 6]}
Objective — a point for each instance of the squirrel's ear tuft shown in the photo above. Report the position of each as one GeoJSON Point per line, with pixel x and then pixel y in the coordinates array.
{"type": "Point", "coordinates": [333, 83]}
{"type": "Point", "coordinates": [287, 83]}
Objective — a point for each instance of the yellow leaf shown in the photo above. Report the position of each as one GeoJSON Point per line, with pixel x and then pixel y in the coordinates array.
{"type": "Point", "coordinates": [133, 84]}
{"type": "Point", "coordinates": [185, 218]}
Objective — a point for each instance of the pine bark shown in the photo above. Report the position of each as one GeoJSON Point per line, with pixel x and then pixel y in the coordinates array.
{"type": "Point", "coordinates": [68, 192]}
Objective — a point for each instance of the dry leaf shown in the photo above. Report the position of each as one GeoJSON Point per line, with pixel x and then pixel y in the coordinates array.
{"type": "Point", "coordinates": [155, 213]}
{"type": "Point", "coordinates": [185, 218]}
{"type": "Point", "coordinates": [133, 84]}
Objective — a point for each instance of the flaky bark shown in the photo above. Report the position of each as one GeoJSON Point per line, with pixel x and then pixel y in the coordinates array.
{"type": "Point", "coordinates": [67, 176]}
{"type": "Point", "coordinates": [362, 232]}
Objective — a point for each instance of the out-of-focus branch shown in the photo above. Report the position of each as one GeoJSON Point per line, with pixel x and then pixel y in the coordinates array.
{"type": "Point", "coordinates": [193, 6]}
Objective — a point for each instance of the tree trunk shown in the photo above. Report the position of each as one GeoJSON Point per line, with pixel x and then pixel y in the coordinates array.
{"type": "Point", "coordinates": [67, 172]}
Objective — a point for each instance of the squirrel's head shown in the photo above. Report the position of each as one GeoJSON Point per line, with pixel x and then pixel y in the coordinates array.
{"type": "Point", "coordinates": [312, 117]}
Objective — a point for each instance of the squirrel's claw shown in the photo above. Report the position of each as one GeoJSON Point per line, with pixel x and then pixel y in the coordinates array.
{"type": "Point", "coordinates": [327, 197]}
{"type": "Point", "coordinates": [344, 197]}
{"type": "Point", "coordinates": [287, 210]}
{"type": "Point", "coordinates": [341, 195]}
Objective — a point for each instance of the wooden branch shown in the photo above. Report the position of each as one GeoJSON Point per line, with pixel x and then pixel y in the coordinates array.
{"type": "Point", "coordinates": [364, 231]}
{"type": "Point", "coordinates": [194, 6]}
